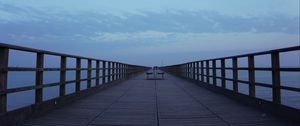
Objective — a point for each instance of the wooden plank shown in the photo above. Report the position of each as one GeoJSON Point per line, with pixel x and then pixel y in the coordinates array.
{"type": "Point", "coordinates": [223, 73]}
{"type": "Point", "coordinates": [78, 74]}
{"type": "Point", "coordinates": [63, 65]}
{"type": "Point", "coordinates": [276, 77]}
{"type": "Point", "coordinates": [4, 55]}
{"type": "Point", "coordinates": [141, 102]}
{"type": "Point", "coordinates": [39, 78]}
{"type": "Point", "coordinates": [235, 74]}
{"type": "Point", "coordinates": [251, 73]}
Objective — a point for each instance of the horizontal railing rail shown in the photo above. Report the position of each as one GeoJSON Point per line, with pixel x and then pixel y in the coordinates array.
{"type": "Point", "coordinates": [106, 72]}
{"type": "Point", "coordinates": [206, 71]}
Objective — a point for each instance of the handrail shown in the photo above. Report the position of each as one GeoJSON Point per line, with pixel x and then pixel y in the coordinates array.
{"type": "Point", "coordinates": [195, 71]}
{"type": "Point", "coordinates": [111, 71]}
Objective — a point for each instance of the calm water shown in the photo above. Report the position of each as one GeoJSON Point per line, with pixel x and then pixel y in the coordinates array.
{"type": "Point", "coordinates": [20, 99]}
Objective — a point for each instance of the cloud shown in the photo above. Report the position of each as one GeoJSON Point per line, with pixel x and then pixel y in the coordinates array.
{"type": "Point", "coordinates": [18, 19]}
{"type": "Point", "coordinates": [167, 42]}
{"type": "Point", "coordinates": [129, 36]}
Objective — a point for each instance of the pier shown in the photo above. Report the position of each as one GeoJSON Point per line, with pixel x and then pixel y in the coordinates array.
{"type": "Point", "coordinates": [187, 95]}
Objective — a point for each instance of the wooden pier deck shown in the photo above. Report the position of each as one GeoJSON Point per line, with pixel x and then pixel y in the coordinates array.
{"type": "Point", "coordinates": [170, 102]}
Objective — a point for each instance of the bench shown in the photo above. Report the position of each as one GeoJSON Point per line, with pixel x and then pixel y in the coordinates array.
{"type": "Point", "coordinates": [149, 73]}
{"type": "Point", "coordinates": [162, 74]}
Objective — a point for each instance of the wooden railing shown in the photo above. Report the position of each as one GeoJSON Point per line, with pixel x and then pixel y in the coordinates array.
{"type": "Point", "coordinates": [110, 71]}
{"type": "Point", "coordinates": [206, 70]}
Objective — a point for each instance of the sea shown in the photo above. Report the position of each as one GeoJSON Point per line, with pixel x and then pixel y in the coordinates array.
{"type": "Point", "coordinates": [25, 59]}
{"type": "Point", "coordinates": [25, 98]}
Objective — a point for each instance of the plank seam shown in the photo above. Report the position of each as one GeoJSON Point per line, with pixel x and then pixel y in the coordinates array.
{"type": "Point", "coordinates": [101, 113]}
{"type": "Point", "coordinates": [184, 90]}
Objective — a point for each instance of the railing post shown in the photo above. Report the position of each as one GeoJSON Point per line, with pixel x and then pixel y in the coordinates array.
{"type": "Point", "coordinates": [126, 70]}
{"type": "Point", "coordinates": [63, 65]}
{"type": "Point", "coordinates": [39, 78]}
{"type": "Point", "coordinates": [194, 70]}
{"type": "Point", "coordinates": [123, 71]}
{"type": "Point", "coordinates": [197, 71]}
{"type": "Point", "coordinates": [202, 71]}
{"type": "Point", "coordinates": [207, 72]}
{"type": "Point", "coordinates": [276, 77]}
{"type": "Point", "coordinates": [214, 65]}
{"type": "Point", "coordinates": [4, 54]}
{"type": "Point", "coordinates": [97, 72]}
{"type": "Point", "coordinates": [89, 74]}
{"type": "Point", "coordinates": [78, 74]}
{"type": "Point", "coordinates": [108, 71]}
{"type": "Point", "coordinates": [223, 73]}
{"type": "Point", "coordinates": [235, 74]}
{"type": "Point", "coordinates": [191, 70]}
{"type": "Point", "coordinates": [186, 70]}
{"type": "Point", "coordinates": [182, 70]}
{"type": "Point", "coordinates": [103, 72]}
{"type": "Point", "coordinates": [113, 71]}
{"type": "Point", "coordinates": [251, 76]}
{"type": "Point", "coordinates": [119, 71]}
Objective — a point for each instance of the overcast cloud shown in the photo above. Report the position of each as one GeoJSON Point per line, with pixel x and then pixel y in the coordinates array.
{"type": "Point", "coordinates": [137, 31]}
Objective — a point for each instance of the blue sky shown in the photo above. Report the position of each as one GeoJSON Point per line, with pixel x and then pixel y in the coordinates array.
{"type": "Point", "coordinates": [151, 32]}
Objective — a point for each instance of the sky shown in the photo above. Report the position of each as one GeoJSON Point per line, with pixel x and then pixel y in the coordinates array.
{"type": "Point", "coordinates": [151, 32]}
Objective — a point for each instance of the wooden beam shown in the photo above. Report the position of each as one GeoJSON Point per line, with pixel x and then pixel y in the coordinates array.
{"type": "Point", "coordinates": [202, 71]}
{"type": "Point", "coordinates": [214, 65]}
{"type": "Point", "coordinates": [235, 74]}
{"type": "Point", "coordinates": [78, 74]}
{"type": "Point", "coordinates": [89, 74]}
{"type": "Point", "coordinates": [276, 77]}
{"type": "Point", "coordinates": [63, 65]}
{"type": "Point", "coordinates": [197, 71]}
{"type": "Point", "coordinates": [113, 71]}
{"type": "Point", "coordinates": [186, 70]}
{"type": "Point", "coordinates": [4, 55]}
{"type": "Point", "coordinates": [108, 71]}
{"type": "Point", "coordinates": [194, 70]}
{"type": "Point", "coordinates": [119, 71]}
{"type": "Point", "coordinates": [97, 72]}
{"type": "Point", "coordinates": [251, 73]}
{"type": "Point", "coordinates": [207, 72]}
{"type": "Point", "coordinates": [223, 73]}
{"type": "Point", "coordinates": [39, 78]}
{"type": "Point", "coordinates": [103, 72]}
